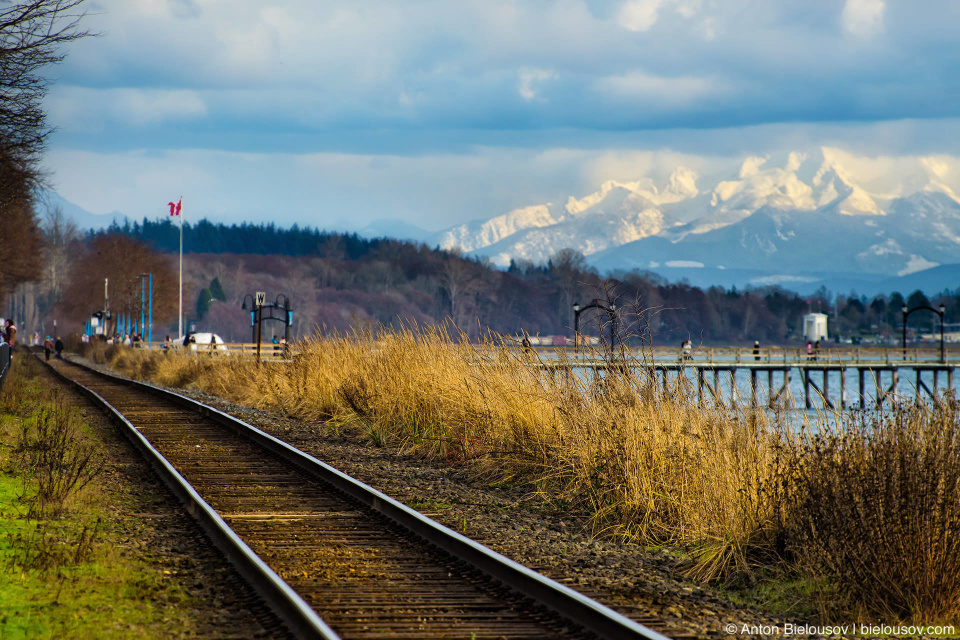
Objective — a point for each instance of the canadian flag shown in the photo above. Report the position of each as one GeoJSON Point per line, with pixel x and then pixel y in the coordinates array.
{"type": "Point", "coordinates": [175, 207]}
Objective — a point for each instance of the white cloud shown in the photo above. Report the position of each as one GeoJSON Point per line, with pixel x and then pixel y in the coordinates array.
{"type": "Point", "coordinates": [661, 90]}
{"type": "Point", "coordinates": [80, 108]}
{"type": "Point", "coordinates": [863, 18]}
{"type": "Point", "coordinates": [528, 77]}
{"type": "Point", "coordinates": [143, 107]}
{"type": "Point", "coordinates": [630, 165]}
{"type": "Point", "coordinates": [559, 94]}
{"type": "Point", "coordinates": [688, 8]}
{"type": "Point", "coordinates": [638, 15]}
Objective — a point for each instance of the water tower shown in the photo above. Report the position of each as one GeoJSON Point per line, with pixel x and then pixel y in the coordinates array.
{"type": "Point", "coordinates": [815, 326]}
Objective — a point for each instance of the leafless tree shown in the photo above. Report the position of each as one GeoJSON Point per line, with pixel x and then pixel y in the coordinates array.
{"type": "Point", "coordinates": [31, 36]}
{"type": "Point", "coordinates": [62, 240]}
{"type": "Point", "coordinates": [120, 260]}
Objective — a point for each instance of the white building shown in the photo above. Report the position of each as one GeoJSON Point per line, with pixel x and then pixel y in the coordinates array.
{"type": "Point", "coordinates": [815, 326]}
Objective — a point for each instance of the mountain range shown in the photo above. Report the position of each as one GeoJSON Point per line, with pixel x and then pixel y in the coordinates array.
{"type": "Point", "coordinates": [803, 224]}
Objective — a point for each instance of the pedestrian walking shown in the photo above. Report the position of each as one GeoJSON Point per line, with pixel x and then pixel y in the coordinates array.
{"type": "Point", "coordinates": [10, 332]}
{"type": "Point", "coordinates": [47, 348]}
{"type": "Point", "coordinates": [756, 350]}
{"type": "Point", "coordinates": [58, 347]}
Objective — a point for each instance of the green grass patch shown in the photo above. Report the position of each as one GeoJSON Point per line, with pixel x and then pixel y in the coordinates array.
{"type": "Point", "coordinates": [69, 570]}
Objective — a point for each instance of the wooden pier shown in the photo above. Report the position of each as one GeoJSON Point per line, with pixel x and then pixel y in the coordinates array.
{"type": "Point", "coordinates": [878, 369]}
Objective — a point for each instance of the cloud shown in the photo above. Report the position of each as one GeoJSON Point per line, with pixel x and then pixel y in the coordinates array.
{"type": "Point", "coordinates": [381, 64]}
{"type": "Point", "coordinates": [440, 112]}
{"type": "Point", "coordinates": [863, 18]}
{"type": "Point", "coordinates": [527, 79]}
{"type": "Point", "coordinates": [638, 85]}
{"type": "Point", "coordinates": [81, 108]}
{"type": "Point", "coordinates": [638, 15]}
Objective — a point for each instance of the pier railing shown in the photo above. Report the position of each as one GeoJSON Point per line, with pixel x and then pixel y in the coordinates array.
{"type": "Point", "coordinates": [784, 356]}
{"type": "Point", "coordinates": [879, 367]}
{"type": "Point", "coordinates": [267, 349]}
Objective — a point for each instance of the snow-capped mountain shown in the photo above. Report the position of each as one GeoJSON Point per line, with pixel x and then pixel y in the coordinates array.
{"type": "Point", "coordinates": [801, 219]}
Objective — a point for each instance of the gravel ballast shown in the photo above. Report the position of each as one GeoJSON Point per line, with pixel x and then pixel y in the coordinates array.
{"type": "Point", "coordinates": [514, 521]}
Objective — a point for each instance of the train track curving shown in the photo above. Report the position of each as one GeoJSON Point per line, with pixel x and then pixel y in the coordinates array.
{"type": "Point", "coordinates": [331, 556]}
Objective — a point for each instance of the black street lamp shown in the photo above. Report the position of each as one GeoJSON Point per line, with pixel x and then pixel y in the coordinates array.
{"type": "Point", "coordinates": [256, 316]}
{"type": "Point", "coordinates": [941, 311]}
{"type": "Point", "coordinates": [257, 306]}
{"type": "Point", "coordinates": [576, 327]}
{"type": "Point", "coordinates": [611, 310]}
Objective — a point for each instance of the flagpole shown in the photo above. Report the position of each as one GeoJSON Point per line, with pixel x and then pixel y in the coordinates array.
{"type": "Point", "coordinates": [180, 311]}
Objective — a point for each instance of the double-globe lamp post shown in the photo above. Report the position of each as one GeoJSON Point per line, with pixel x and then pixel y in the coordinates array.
{"type": "Point", "coordinates": [256, 307]}
{"type": "Point", "coordinates": [906, 313]}
{"type": "Point", "coordinates": [611, 310]}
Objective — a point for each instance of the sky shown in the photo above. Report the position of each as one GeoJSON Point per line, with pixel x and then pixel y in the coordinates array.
{"type": "Point", "coordinates": [335, 114]}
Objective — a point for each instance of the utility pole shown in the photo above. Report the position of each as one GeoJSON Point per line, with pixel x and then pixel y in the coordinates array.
{"type": "Point", "coordinates": [106, 304]}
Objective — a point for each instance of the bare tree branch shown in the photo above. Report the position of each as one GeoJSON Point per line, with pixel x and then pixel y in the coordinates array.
{"type": "Point", "coordinates": [32, 35]}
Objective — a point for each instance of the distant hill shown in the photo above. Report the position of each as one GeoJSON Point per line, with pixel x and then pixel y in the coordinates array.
{"type": "Point", "coordinates": [397, 229]}
{"type": "Point", "coordinates": [50, 200]}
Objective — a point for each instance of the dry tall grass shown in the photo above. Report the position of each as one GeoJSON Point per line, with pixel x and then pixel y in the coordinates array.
{"type": "Point", "coordinates": [871, 506]}
{"type": "Point", "coordinates": [643, 459]}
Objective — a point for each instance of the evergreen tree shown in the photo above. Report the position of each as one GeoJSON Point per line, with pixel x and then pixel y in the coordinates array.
{"type": "Point", "coordinates": [203, 303]}
{"type": "Point", "coordinates": [216, 290]}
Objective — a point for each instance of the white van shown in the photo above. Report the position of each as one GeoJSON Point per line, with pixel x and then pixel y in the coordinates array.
{"type": "Point", "coordinates": [203, 338]}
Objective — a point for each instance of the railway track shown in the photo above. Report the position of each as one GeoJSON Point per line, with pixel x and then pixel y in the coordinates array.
{"type": "Point", "coordinates": [331, 556]}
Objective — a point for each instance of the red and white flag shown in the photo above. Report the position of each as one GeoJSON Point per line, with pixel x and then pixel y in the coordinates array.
{"type": "Point", "coordinates": [175, 207]}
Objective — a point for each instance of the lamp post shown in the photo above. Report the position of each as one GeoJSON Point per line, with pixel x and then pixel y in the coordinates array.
{"type": "Point", "coordinates": [903, 337]}
{"type": "Point", "coordinates": [941, 311]}
{"type": "Point", "coordinates": [257, 305]}
{"type": "Point", "coordinates": [256, 316]}
{"type": "Point", "coordinates": [943, 352]}
{"type": "Point", "coordinates": [287, 316]}
{"type": "Point", "coordinates": [576, 328]}
{"type": "Point", "coordinates": [611, 310]}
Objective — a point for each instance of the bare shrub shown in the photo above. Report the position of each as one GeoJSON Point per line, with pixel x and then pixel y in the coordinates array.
{"type": "Point", "coordinates": [52, 449]}
{"type": "Point", "coordinates": [45, 549]}
{"type": "Point", "coordinates": [873, 504]}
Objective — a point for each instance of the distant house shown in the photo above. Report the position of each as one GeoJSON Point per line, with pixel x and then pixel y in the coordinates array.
{"type": "Point", "coordinates": [814, 327]}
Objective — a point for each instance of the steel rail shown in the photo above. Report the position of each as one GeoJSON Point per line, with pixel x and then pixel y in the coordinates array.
{"type": "Point", "coordinates": [279, 596]}
{"type": "Point", "coordinates": [566, 602]}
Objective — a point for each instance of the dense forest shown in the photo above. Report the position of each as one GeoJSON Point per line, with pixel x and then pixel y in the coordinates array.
{"type": "Point", "coordinates": [340, 281]}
